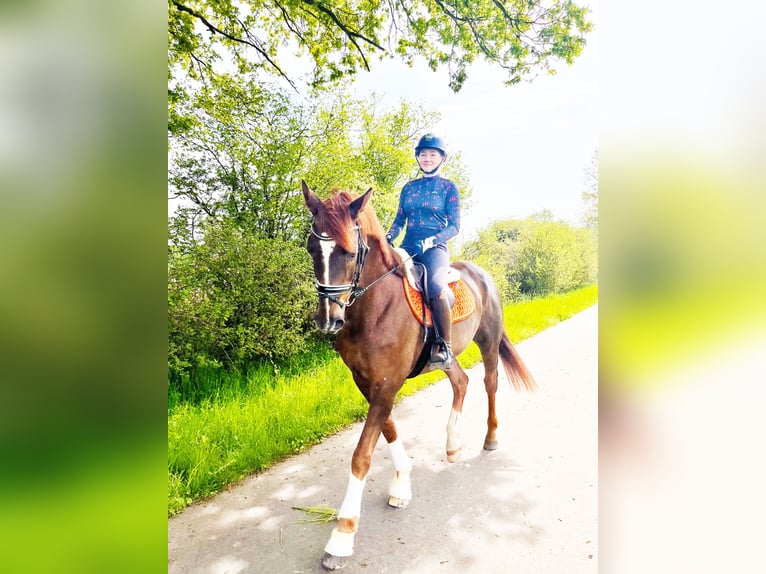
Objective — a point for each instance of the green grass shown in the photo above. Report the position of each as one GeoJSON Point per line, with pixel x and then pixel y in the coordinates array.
{"type": "Point", "coordinates": [250, 421]}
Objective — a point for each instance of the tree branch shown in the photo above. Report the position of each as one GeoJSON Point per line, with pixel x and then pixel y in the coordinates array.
{"type": "Point", "coordinates": [181, 8]}
{"type": "Point", "coordinates": [511, 19]}
{"type": "Point", "coordinates": [453, 15]}
{"type": "Point", "coordinates": [349, 33]}
{"type": "Point", "coordinates": [290, 23]}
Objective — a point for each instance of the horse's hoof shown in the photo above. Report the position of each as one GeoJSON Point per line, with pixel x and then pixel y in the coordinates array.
{"type": "Point", "coordinates": [490, 445]}
{"type": "Point", "coordinates": [395, 502]}
{"type": "Point", "coordinates": [454, 455]}
{"type": "Point", "coordinates": [330, 562]}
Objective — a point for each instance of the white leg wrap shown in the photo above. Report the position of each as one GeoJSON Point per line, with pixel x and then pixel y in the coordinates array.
{"type": "Point", "coordinates": [453, 431]}
{"type": "Point", "coordinates": [352, 502]}
{"type": "Point", "coordinates": [402, 462]}
{"type": "Point", "coordinates": [340, 543]}
{"type": "Point", "coordinates": [401, 486]}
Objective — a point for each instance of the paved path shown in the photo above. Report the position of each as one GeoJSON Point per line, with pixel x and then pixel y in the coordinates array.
{"type": "Point", "coordinates": [528, 507]}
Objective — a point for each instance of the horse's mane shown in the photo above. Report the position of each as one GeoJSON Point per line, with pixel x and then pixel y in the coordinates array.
{"type": "Point", "coordinates": [336, 221]}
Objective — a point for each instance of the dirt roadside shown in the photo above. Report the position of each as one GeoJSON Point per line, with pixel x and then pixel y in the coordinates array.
{"type": "Point", "coordinates": [528, 507]}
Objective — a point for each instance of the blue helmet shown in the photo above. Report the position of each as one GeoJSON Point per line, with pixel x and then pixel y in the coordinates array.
{"type": "Point", "coordinates": [430, 141]}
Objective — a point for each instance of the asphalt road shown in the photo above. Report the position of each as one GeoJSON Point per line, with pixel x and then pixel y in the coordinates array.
{"type": "Point", "coordinates": [528, 507]}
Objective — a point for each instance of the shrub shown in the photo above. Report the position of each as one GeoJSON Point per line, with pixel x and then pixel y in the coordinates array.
{"type": "Point", "coordinates": [234, 299]}
{"type": "Point", "coordinates": [535, 256]}
{"type": "Point", "coordinates": [553, 257]}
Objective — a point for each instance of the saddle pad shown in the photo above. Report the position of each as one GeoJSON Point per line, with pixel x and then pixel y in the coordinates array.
{"type": "Point", "coordinates": [463, 307]}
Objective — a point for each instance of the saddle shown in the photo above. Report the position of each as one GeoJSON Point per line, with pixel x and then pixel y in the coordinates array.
{"type": "Point", "coordinates": [463, 305]}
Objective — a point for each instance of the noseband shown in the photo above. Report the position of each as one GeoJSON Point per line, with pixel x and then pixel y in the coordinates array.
{"type": "Point", "coordinates": [332, 292]}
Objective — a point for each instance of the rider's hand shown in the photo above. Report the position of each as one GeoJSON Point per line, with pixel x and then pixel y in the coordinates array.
{"type": "Point", "coordinates": [424, 245]}
{"type": "Point", "coordinates": [428, 243]}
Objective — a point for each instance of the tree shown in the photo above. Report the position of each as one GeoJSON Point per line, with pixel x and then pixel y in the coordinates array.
{"type": "Point", "coordinates": [235, 156]}
{"type": "Point", "coordinates": [244, 147]}
{"type": "Point", "coordinates": [343, 36]}
{"type": "Point", "coordinates": [495, 252]}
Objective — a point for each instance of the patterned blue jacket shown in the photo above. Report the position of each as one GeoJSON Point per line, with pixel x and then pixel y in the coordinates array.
{"type": "Point", "coordinates": [430, 206]}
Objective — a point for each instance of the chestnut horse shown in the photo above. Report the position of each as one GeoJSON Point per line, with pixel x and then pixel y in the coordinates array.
{"type": "Point", "coordinates": [361, 298]}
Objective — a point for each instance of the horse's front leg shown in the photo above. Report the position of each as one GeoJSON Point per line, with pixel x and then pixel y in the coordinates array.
{"type": "Point", "coordinates": [400, 491]}
{"type": "Point", "coordinates": [341, 544]}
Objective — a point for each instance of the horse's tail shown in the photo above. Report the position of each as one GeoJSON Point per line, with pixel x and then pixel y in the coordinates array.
{"type": "Point", "coordinates": [515, 368]}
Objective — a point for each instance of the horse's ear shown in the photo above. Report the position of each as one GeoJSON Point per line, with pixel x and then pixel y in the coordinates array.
{"type": "Point", "coordinates": [312, 201]}
{"type": "Point", "coordinates": [357, 206]}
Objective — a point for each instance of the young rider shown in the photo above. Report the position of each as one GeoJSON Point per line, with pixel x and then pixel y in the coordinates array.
{"type": "Point", "coordinates": [430, 206]}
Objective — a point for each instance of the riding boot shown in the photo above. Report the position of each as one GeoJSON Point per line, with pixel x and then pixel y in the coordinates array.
{"type": "Point", "coordinates": [441, 351]}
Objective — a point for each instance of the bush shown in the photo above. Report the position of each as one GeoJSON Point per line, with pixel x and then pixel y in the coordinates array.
{"type": "Point", "coordinates": [534, 257]}
{"type": "Point", "coordinates": [234, 299]}
{"type": "Point", "coordinates": [493, 252]}
{"type": "Point", "coordinates": [552, 257]}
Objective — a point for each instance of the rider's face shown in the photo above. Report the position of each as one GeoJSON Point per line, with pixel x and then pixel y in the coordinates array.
{"type": "Point", "coordinates": [429, 159]}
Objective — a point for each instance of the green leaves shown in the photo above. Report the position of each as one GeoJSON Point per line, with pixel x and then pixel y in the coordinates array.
{"type": "Point", "coordinates": [341, 37]}
{"type": "Point", "coordinates": [239, 149]}
{"type": "Point", "coordinates": [235, 298]}
{"type": "Point", "coordinates": [535, 256]}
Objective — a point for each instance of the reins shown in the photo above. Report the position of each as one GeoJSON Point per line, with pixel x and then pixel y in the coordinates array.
{"type": "Point", "coordinates": [332, 292]}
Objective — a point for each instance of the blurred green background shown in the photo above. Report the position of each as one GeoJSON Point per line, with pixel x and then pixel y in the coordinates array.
{"type": "Point", "coordinates": [82, 296]}
{"type": "Point", "coordinates": [682, 309]}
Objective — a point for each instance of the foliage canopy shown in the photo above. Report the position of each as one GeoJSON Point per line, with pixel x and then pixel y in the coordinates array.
{"type": "Point", "coordinates": [342, 36]}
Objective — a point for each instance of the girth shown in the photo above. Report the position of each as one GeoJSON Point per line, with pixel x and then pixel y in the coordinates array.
{"type": "Point", "coordinates": [425, 354]}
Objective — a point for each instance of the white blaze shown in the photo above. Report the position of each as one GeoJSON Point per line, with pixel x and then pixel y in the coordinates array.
{"type": "Point", "coordinates": [327, 247]}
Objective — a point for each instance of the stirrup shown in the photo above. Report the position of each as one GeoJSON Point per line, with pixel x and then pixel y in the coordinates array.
{"type": "Point", "coordinates": [441, 355]}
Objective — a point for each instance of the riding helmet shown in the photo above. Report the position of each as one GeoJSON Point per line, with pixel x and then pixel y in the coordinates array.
{"type": "Point", "coordinates": [430, 141]}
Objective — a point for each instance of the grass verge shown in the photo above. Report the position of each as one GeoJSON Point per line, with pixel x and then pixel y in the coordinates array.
{"type": "Point", "coordinates": [251, 421]}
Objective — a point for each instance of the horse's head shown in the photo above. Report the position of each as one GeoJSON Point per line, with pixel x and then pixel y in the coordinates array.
{"type": "Point", "coordinates": [338, 249]}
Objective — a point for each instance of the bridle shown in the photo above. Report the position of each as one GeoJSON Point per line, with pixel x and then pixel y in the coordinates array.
{"type": "Point", "coordinates": [333, 292]}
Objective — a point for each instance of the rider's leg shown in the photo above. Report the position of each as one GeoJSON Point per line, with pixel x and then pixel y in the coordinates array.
{"type": "Point", "coordinates": [441, 352]}
{"type": "Point", "coordinates": [437, 262]}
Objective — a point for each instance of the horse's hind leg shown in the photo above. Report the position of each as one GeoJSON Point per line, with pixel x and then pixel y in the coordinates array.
{"type": "Point", "coordinates": [488, 339]}
{"type": "Point", "coordinates": [459, 381]}
{"type": "Point", "coordinates": [490, 357]}
{"type": "Point", "coordinates": [400, 490]}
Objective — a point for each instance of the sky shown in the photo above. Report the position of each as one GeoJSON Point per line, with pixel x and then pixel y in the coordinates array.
{"type": "Point", "coordinates": [526, 146]}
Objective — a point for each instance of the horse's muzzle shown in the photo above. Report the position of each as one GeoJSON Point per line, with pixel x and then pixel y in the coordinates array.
{"type": "Point", "coordinates": [330, 325]}
{"type": "Point", "coordinates": [330, 315]}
